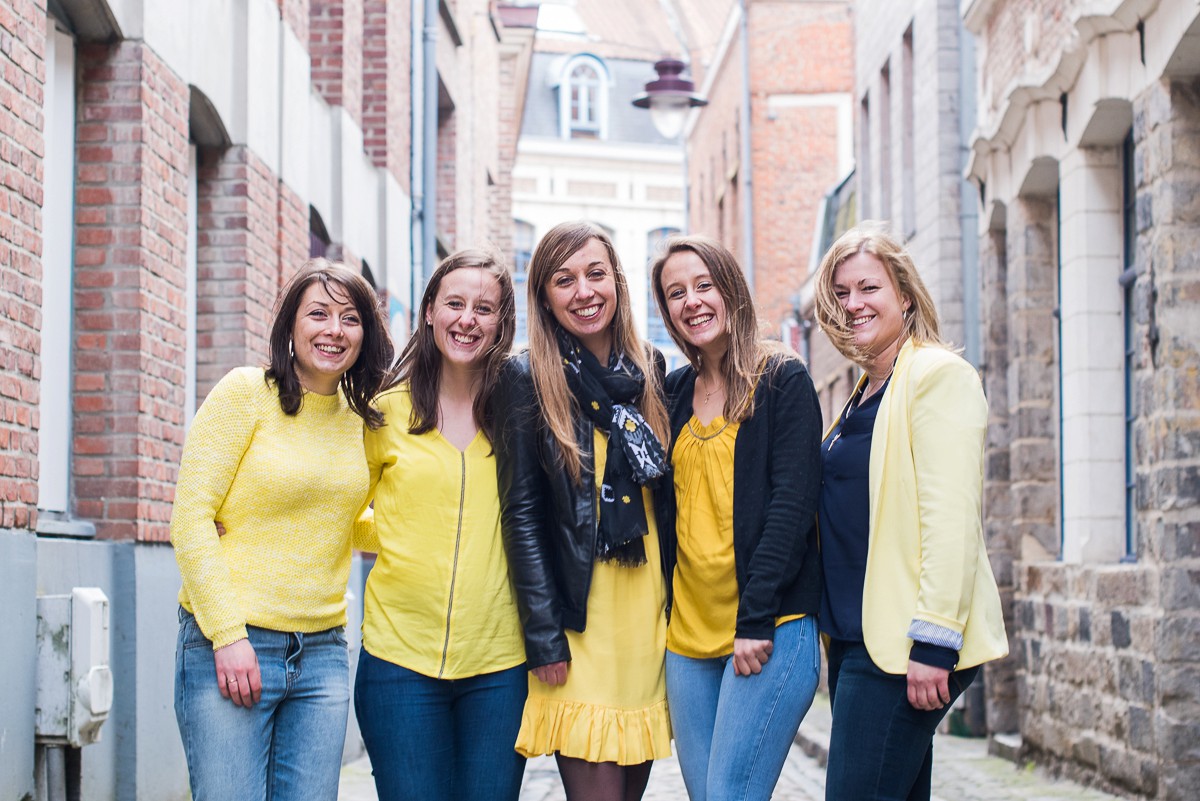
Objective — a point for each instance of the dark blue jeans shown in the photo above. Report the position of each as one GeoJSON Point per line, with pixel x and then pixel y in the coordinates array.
{"type": "Point", "coordinates": [441, 739]}
{"type": "Point", "coordinates": [881, 747]}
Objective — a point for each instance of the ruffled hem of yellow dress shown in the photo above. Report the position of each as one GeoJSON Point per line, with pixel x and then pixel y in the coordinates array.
{"type": "Point", "coordinates": [595, 733]}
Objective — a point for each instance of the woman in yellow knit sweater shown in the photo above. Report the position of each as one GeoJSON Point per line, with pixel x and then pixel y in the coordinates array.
{"type": "Point", "coordinates": [276, 454]}
{"type": "Point", "coordinates": [441, 680]}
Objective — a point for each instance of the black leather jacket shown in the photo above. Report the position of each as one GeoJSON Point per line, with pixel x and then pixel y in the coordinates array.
{"type": "Point", "coordinates": [549, 521]}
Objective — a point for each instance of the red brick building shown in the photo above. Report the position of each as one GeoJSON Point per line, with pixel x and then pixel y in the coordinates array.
{"type": "Point", "coordinates": [776, 134]}
{"type": "Point", "coordinates": [164, 168]}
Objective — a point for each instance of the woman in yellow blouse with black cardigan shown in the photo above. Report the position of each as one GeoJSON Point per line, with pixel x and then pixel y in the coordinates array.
{"type": "Point", "coordinates": [742, 654]}
{"type": "Point", "coordinates": [441, 680]}
{"type": "Point", "coordinates": [911, 606]}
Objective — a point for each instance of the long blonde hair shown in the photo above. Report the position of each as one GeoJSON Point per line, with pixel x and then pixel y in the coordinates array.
{"type": "Point", "coordinates": [748, 352]}
{"type": "Point", "coordinates": [873, 237]}
{"type": "Point", "coordinates": [558, 405]}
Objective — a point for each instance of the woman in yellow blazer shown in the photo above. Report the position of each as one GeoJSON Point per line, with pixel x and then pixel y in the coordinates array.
{"type": "Point", "coordinates": [910, 607]}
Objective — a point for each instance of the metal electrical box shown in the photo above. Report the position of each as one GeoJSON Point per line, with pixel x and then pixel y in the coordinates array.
{"type": "Point", "coordinates": [74, 682]}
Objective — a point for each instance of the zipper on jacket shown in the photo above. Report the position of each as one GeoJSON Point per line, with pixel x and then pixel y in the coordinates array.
{"type": "Point", "coordinates": [462, 494]}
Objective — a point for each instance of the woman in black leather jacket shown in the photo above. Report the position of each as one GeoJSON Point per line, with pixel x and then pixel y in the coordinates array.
{"type": "Point", "coordinates": [579, 426]}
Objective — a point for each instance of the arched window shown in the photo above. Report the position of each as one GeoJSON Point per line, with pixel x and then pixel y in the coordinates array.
{"type": "Point", "coordinates": [583, 99]}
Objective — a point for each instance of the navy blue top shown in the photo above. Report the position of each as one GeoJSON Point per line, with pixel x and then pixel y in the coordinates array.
{"type": "Point", "coordinates": [843, 516]}
{"type": "Point", "coordinates": [844, 520]}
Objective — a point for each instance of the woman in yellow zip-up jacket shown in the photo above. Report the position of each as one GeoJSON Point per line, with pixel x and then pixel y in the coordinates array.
{"type": "Point", "coordinates": [441, 680]}
{"type": "Point", "coordinates": [910, 607]}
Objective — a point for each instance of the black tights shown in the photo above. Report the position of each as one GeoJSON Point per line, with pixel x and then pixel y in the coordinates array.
{"type": "Point", "coordinates": [602, 781]}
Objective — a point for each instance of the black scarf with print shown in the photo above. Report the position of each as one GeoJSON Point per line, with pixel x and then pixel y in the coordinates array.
{"type": "Point", "coordinates": [635, 457]}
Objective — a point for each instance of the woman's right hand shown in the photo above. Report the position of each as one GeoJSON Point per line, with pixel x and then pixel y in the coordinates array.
{"type": "Point", "coordinates": [238, 677]}
{"type": "Point", "coordinates": [553, 674]}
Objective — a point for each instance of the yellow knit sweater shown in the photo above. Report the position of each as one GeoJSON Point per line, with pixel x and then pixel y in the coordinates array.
{"type": "Point", "coordinates": [287, 489]}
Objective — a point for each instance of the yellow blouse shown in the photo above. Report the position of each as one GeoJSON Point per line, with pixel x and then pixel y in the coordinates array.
{"type": "Point", "coordinates": [438, 600]}
{"type": "Point", "coordinates": [704, 617]}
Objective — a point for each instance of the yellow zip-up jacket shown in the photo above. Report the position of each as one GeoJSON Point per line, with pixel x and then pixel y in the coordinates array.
{"type": "Point", "coordinates": [438, 600]}
{"type": "Point", "coordinates": [927, 570]}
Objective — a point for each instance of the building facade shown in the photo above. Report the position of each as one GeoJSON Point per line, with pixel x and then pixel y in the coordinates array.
{"type": "Point", "coordinates": [1084, 158]}
{"type": "Point", "coordinates": [586, 153]}
{"type": "Point", "coordinates": [166, 168]}
{"type": "Point", "coordinates": [776, 134]}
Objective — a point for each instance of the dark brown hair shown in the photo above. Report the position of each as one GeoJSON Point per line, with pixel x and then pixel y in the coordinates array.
{"type": "Point", "coordinates": [370, 370]}
{"type": "Point", "coordinates": [421, 362]}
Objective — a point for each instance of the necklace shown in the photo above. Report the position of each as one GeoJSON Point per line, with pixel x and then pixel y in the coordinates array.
{"type": "Point", "coordinates": [708, 393]}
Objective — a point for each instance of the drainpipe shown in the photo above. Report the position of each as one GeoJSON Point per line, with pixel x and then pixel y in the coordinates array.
{"type": "Point", "coordinates": [429, 147]}
{"type": "Point", "coordinates": [746, 169]}
{"type": "Point", "coordinates": [423, 170]}
{"type": "Point", "coordinates": [968, 214]}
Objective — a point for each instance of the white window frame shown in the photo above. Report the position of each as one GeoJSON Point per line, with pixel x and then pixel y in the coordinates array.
{"type": "Point", "coordinates": [58, 285]}
{"type": "Point", "coordinates": [567, 125]}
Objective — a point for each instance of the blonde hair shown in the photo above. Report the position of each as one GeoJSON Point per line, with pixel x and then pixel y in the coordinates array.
{"type": "Point", "coordinates": [748, 352]}
{"type": "Point", "coordinates": [558, 405]}
{"type": "Point", "coordinates": [874, 238]}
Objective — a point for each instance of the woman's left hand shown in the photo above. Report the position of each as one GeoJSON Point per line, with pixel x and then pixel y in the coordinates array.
{"type": "Point", "coordinates": [928, 686]}
{"type": "Point", "coordinates": [749, 656]}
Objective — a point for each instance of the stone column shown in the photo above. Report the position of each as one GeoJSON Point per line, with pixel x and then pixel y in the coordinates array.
{"type": "Point", "coordinates": [1000, 677]}
{"type": "Point", "coordinates": [1166, 133]}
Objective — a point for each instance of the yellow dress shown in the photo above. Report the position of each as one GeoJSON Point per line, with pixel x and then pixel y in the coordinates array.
{"type": "Point", "coordinates": [613, 705]}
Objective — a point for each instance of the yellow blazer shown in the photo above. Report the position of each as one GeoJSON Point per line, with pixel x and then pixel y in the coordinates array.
{"type": "Point", "coordinates": [926, 562]}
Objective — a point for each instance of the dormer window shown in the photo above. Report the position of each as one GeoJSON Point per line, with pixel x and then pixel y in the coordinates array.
{"type": "Point", "coordinates": [583, 99]}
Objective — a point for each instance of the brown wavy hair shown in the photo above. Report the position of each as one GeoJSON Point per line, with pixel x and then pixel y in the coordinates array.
{"type": "Point", "coordinates": [873, 237]}
{"type": "Point", "coordinates": [749, 352]}
{"type": "Point", "coordinates": [421, 362]}
{"type": "Point", "coordinates": [370, 371]}
{"type": "Point", "coordinates": [557, 402]}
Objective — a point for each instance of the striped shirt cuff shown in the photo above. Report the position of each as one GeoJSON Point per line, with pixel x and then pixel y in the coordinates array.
{"type": "Point", "coordinates": [932, 633]}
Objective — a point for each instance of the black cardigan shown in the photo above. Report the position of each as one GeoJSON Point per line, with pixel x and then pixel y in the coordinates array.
{"type": "Point", "coordinates": [776, 484]}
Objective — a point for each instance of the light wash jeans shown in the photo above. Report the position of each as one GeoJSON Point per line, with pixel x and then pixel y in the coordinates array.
{"type": "Point", "coordinates": [733, 732]}
{"type": "Point", "coordinates": [441, 739]}
{"type": "Point", "coordinates": [288, 746]}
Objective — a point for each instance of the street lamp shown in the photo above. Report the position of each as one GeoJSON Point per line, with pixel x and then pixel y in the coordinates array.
{"type": "Point", "coordinates": [669, 98]}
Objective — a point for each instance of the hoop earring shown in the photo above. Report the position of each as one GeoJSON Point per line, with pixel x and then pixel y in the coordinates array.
{"type": "Point", "coordinates": [291, 350]}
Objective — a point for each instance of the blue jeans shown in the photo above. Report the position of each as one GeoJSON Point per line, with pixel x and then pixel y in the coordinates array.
{"type": "Point", "coordinates": [881, 747]}
{"type": "Point", "coordinates": [441, 739]}
{"type": "Point", "coordinates": [733, 733]}
{"type": "Point", "coordinates": [288, 746]}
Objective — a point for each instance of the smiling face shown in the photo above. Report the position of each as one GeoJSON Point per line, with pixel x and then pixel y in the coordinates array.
{"type": "Point", "coordinates": [694, 304]}
{"type": "Point", "coordinates": [874, 308]}
{"type": "Point", "coordinates": [465, 316]}
{"type": "Point", "coordinates": [327, 336]}
{"type": "Point", "coordinates": [582, 296]}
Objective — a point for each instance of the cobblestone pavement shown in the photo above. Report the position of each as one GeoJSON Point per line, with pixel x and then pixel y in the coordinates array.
{"type": "Point", "coordinates": [962, 771]}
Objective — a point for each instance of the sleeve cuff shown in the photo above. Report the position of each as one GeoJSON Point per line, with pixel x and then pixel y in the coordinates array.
{"type": "Point", "coordinates": [933, 634]}
{"type": "Point", "coordinates": [935, 655]}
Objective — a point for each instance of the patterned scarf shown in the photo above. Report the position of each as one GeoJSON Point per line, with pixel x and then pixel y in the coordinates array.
{"type": "Point", "coordinates": [635, 456]}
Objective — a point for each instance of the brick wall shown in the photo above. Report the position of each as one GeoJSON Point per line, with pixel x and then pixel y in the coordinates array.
{"type": "Point", "coordinates": [130, 311]}
{"type": "Point", "coordinates": [295, 16]}
{"type": "Point", "coordinates": [387, 89]}
{"type": "Point", "coordinates": [335, 44]}
{"type": "Point", "coordinates": [238, 261]}
{"type": "Point", "coordinates": [796, 50]}
{"type": "Point", "coordinates": [22, 77]}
